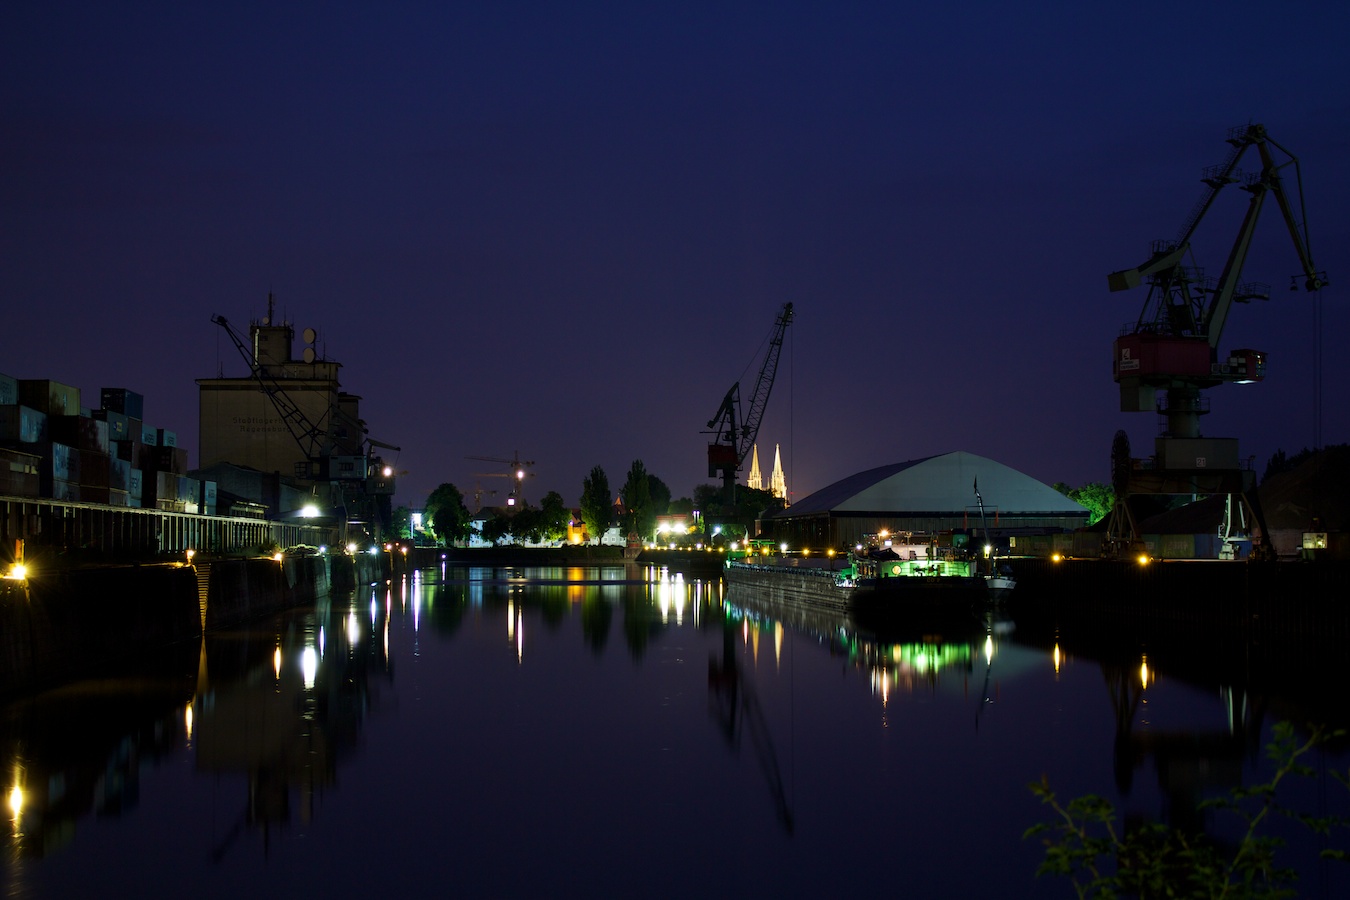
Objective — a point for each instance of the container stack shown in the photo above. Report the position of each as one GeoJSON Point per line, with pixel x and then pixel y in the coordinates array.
{"type": "Point", "coordinates": [51, 446]}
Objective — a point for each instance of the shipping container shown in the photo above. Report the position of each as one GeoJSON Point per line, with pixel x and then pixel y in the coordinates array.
{"type": "Point", "coordinates": [208, 497]}
{"type": "Point", "coordinates": [128, 450]}
{"type": "Point", "coordinates": [159, 491]}
{"type": "Point", "coordinates": [80, 432]}
{"type": "Point", "coordinates": [19, 474]}
{"type": "Point", "coordinates": [94, 468]}
{"type": "Point", "coordinates": [166, 438]}
{"type": "Point", "coordinates": [58, 489]}
{"type": "Point", "coordinates": [118, 424]}
{"type": "Point", "coordinates": [9, 391]}
{"type": "Point", "coordinates": [61, 462]}
{"type": "Point", "coordinates": [90, 493]}
{"type": "Point", "coordinates": [148, 436]}
{"type": "Point", "coordinates": [165, 459]}
{"type": "Point", "coordinates": [189, 493]}
{"type": "Point", "coordinates": [117, 498]}
{"type": "Point", "coordinates": [22, 424]}
{"type": "Point", "coordinates": [121, 400]}
{"type": "Point", "coordinates": [119, 474]}
{"type": "Point", "coordinates": [50, 397]}
{"type": "Point", "coordinates": [135, 483]}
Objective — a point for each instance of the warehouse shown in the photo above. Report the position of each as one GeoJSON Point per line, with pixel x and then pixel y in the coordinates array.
{"type": "Point", "coordinates": [924, 497]}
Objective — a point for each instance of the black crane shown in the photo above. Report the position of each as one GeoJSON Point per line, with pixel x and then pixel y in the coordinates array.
{"type": "Point", "coordinates": [1172, 348]}
{"type": "Point", "coordinates": [735, 433]}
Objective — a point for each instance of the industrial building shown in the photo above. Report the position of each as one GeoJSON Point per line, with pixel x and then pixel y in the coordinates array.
{"type": "Point", "coordinates": [924, 496]}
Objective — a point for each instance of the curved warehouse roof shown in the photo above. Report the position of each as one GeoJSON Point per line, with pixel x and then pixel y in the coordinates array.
{"type": "Point", "coordinates": [936, 485]}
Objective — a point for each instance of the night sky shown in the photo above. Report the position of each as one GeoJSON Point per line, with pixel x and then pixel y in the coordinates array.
{"type": "Point", "coordinates": [566, 229]}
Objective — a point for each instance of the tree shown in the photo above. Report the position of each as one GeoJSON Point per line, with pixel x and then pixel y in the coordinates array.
{"type": "Point", "coordinates": [497, 528]}
{"type": "Point", "coordinates": [595, 508]}
{"type": "Point", "coordinates": [554, 517]}
{"type": "Point", "coordinates": [446, 514]}
{"type": "Point", "coordinates": [526, 525]}
{"type": "Point", "coordinates": [1087, 841]}
{"type": "Point", "coordinates": [1097, 497]}
{"type": "Point", "coordinates": [401, 522]}
{"type": "Point", "coordinates": [660, 493]}
{"type": "Point", "coordinates": [640, 518]}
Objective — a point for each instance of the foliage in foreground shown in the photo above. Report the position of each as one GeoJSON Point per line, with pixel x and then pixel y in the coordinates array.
{"type": "Point", "coordinates": [1086, 844]}
{"type": "Point", "coordinates": [1097, 497]}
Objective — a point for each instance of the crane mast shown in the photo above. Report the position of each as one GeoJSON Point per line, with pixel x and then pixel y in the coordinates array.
{"type": "Point", "coordinates": [735, 433]}
{"type": "Point", "coordinates": [1170, 354]}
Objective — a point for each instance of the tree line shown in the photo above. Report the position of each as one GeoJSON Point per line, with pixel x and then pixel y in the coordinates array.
{"type": "Point", "coordinates": [642, 498]}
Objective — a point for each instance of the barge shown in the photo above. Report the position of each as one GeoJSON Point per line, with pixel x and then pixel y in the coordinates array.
{"type": "Point", "coordinates": [877, 595]}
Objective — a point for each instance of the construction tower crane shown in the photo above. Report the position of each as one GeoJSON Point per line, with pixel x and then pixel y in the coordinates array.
{"type": "Point", "coordinates": [735, 433]}
{"type": "Point", "coordinates": [518, 472]}
{"type": "Point", "coordinates": [1172, 348]}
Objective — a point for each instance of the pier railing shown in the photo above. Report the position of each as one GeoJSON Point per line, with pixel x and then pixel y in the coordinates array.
{"type": "Point", "coordinates": [66, 526]}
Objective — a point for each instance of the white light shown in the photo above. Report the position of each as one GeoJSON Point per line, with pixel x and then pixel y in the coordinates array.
{"type": "Point", "coordinates": [309, 511]}
{"type": "Point", "coordinates": [309, 666]}
{"type": "Point", "coordinates": [388, 470]}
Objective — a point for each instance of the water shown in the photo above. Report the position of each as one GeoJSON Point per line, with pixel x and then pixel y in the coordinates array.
{"type": "Point", "coordinates": [612, 731]}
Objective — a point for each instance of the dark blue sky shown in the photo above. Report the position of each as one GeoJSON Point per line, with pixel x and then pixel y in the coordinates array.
{"type": "Point", "coordinates": [565, 229]}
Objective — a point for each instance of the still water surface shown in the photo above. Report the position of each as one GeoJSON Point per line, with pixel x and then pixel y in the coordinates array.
{"type": "Point", "coordinates": [606, 731]}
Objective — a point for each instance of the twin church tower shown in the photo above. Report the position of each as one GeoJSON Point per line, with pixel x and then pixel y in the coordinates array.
{"type": "Point", "coordinates": [777, 484]}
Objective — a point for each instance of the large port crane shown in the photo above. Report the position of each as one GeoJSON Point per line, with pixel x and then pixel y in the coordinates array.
{"type": "Point", "coordinates": [735, 433]}
{"type": "Point", "coordinates": [1173, 346]}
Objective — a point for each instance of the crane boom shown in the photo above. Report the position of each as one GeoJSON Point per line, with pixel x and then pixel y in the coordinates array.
{"type": "Point", "coordinates": [735, 434]}
{"type": "Point", "coordinates": [308, 435]}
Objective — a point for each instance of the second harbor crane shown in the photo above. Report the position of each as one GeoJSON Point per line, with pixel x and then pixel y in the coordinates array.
{"type": "Point", "coordinates": [1170, 354]}
{"type": "Point", "coordinates": [734, 431]}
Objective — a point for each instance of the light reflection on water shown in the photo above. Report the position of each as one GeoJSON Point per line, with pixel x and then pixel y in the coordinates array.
{"type": "Point", "coordinates": [503, 731]}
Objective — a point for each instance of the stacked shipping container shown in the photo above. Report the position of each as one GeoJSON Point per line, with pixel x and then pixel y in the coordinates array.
{"type": "Point", "coordinates": [52, 447]}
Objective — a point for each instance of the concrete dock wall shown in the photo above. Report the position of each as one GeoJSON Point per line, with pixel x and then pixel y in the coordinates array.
{"type": "Point", "coordinates": [68, 625]}
{"type": "Point", "coordinates": [245, 589]}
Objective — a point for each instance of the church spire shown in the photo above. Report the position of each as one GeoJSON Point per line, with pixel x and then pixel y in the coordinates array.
{"type": "Point", "coordinates": [755, 479]}
{"type": "Point", "coordinates": [777, 483]}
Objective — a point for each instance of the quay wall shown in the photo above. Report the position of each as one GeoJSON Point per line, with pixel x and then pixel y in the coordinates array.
{"type": "Point", "coordinates": [245, 589]}
{"type": "Point", "coordinates": [1255, 598]}
{"type": "Point", "coordinates": [68, 625]}
{"type": "Point", "coordinates": [61, 626]}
